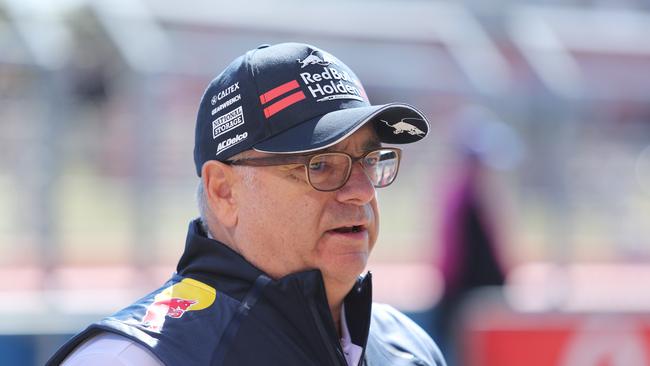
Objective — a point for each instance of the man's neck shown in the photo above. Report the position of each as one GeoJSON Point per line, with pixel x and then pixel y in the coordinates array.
{"type": "Point", "coordinates": [335, 296]}
{"type": "Point", "coordinates": [336, 315]}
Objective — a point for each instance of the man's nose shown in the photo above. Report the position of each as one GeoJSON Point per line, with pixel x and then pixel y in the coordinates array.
{"type": "Point", "coordinates": [358, 189]}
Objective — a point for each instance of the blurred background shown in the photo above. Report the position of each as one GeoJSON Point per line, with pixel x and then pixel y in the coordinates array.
{"type": "Point", "coordinates": [517, 233]}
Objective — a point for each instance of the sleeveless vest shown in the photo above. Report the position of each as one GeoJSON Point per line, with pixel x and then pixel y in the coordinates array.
{"type": "Point", "coordinates": [218, 309]}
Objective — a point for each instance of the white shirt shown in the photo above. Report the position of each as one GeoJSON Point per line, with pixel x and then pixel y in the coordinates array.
{"type": "Point", "coordinates": [109, 349]}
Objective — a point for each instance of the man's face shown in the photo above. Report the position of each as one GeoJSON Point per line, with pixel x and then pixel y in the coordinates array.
{"type": "Point", "coordinates": [286, 226]}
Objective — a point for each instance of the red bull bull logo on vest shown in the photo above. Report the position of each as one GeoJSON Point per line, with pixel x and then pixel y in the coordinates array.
{"type": "Point", "coordinates": [176, 300]}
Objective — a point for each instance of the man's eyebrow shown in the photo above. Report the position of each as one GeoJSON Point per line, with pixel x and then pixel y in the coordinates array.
{"type": "Point", "coordinates": [372, 144]}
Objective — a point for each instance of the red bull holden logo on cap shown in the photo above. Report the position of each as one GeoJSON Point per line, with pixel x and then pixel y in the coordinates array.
{"type": "Point", "coordinates": [327, 82]}
{"type": "Point", "coordinates": [330, 82]}
{"type": "Point", "coordinates": [175, 300]}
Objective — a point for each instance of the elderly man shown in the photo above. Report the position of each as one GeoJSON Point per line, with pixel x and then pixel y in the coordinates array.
{"type": "Point", "coordinates": [289, 153]}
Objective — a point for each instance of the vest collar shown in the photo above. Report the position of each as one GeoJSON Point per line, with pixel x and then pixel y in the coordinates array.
{"type": "Point", "coordinates": [217, 265]}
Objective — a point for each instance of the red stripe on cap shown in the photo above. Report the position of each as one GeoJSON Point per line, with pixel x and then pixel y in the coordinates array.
{"type": "Point", "coordinates": [277, 91]}
{"type": "Point", "coordinates": [283, 103]}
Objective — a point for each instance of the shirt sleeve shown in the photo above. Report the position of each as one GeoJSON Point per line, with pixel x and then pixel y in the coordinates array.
{"type": "Point", "coordinates": [397, 329]}
{"type": "Point", "coordinates": [107, 349]}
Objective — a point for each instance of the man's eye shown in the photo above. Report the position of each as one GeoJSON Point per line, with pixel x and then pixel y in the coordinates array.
{"type": "Point", "coordinates": [371, 160]}
{"type": "Point", "coordinates": [317, 166]}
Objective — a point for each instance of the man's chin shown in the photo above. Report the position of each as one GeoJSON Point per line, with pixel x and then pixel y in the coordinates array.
{"type": "Point", "coordinates": [346, 268]}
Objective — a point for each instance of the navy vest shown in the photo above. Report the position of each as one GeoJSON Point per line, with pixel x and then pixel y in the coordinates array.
{"type": "Point", "coordinates": [218, 309]}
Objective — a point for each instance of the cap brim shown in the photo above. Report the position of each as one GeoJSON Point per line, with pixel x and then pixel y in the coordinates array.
{"type": "Point", "coordinates": [395, 123]}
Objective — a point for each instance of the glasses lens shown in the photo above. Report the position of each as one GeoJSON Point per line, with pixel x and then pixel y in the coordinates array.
{"type": "Point", "coordinates": [328, 171]}
{"type": "Point", "coordinates": [381, 167]}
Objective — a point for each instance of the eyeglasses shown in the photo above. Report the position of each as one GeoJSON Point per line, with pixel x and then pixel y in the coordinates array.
{"type": "Point", "coordinates": [330, 171]}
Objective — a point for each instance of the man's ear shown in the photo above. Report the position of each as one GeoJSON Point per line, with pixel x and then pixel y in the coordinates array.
{"type": "Point", "coordinates": [218, 180]}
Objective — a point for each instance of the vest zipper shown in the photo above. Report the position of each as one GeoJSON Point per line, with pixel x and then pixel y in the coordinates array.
{"type": "Point", "coordinates": [335, 356]}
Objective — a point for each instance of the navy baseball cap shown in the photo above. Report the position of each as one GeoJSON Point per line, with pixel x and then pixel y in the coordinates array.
{"type": "Point", "coordinates": [292, 98]}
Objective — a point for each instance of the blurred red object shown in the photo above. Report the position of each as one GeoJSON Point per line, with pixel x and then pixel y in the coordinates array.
{"type": "Point", "coordinates": [620, 340]}
{"type": "Point", "coordinates": [495, 332]}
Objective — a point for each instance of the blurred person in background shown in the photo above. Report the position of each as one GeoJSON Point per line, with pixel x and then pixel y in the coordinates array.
{"type": "Point", "coordinates": [289, 154]}
{"type": "Point", "coordinates": [471, 254]}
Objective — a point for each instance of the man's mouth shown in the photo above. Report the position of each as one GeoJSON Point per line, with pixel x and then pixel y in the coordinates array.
{"type": "Point", "coordinates": [349, 229]}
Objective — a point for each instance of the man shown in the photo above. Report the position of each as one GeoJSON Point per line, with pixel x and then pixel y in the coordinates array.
{"type": "Point", "coordinates": [288, 150]}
